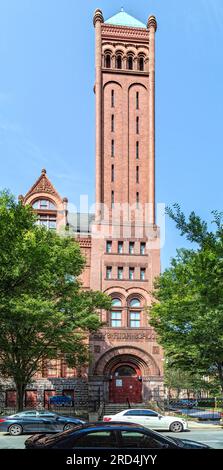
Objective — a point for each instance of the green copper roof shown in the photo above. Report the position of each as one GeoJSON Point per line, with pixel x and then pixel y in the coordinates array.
{"type": "Point", "coordinates": [124, 19]}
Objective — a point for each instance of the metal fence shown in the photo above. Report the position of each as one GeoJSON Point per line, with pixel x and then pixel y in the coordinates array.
{"type": "Point", "coordinates": [202, 409]}
{"type": "Point", "coordinates": [80, 407]}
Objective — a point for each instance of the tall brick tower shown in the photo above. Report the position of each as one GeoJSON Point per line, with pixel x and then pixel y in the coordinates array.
{"type": "Point", "coordinates": [125, 133]}
{"type": "Point", "coordinates": [125, 239]}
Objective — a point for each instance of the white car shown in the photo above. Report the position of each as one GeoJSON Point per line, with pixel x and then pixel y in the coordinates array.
{"type": "Point", "coordinates": [150, 419]}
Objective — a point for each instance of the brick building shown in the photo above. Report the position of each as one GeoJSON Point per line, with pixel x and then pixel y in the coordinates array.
{"type": "Point", "coordinates": [121, 241]}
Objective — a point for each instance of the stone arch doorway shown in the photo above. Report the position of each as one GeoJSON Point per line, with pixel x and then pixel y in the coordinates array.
{"type": "Point", "coordinates": [125, 383]}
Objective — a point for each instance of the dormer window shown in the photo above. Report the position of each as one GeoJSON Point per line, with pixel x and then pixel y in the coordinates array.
{"type": "Point", "coordinates": [46, 213]}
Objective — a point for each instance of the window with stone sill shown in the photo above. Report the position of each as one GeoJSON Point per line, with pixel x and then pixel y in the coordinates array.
{"type": "Point", "coordinates": [120, 247]}
{"type": "Point", "coordinates": [47, 220]}
{"type": "Point", "coordinates": [116, 319]}
{"type": "Point", "coordinates": [120, 272]}
{"type": "Point", "coordinates": [108, 246]}
{"type": "Point", "coordinates": [131, 273]}
{"type": "Point", "coordinates": [108, 272]}
{"type": "Point", "coordinates": [142, 248]}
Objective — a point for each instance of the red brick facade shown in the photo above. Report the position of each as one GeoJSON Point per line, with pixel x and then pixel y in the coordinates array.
{"type": "Point", "coordinates": [122, 251]}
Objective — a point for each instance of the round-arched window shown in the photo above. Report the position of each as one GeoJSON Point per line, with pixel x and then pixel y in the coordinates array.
{"type": "Point", "coordinates": [125, 371]}
{"type": "Point", "coordinates": [116, 303]}
{"type": "Point", "coordinates": [108, 61]}
{"type": "Point", "coordinates": [44, 204]}
{"type": "Point", "coordinates": [141, 63]}
{"type": "Point", "coordinates": [119, 61]}
{"type": "Point", "coordinates": [130, 62]}
{"type": "Point", "coordinates": [135, 303]}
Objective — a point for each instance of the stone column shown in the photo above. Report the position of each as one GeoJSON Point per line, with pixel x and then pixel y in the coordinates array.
{"type": "Point", "coordinates": [98, 20]}
{"type": "Point", "coordinates": [152, 26]}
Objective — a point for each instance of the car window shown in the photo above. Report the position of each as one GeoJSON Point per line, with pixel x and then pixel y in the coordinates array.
{"type": "Point", "coordinates": [140, 440]}
{"type": "Point", "coordinates": [95, 439]}
{"type": "Point", "coordinates": [47, 415]}
{"type": "Point", "coordinates": [27, 414]}
{"type": "Point", "coordinates": [140, 413]}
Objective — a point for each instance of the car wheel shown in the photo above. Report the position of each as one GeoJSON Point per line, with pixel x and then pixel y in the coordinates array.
{"type": "Point", "coordinates": [176, 426]}
{"type": "Point", "coordinates": [15, 430]}
{"type": "Point", "coordinates": [68, 426]}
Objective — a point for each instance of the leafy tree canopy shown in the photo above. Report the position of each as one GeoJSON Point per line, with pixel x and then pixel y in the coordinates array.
{"type": "Point", "coordinates": [43, 309]}
{"type": "Point", "coordinates": [188, 309]}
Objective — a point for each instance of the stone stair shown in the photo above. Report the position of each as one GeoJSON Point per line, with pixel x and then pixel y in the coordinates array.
{"type": "Point", "coordinates": [113, 408]}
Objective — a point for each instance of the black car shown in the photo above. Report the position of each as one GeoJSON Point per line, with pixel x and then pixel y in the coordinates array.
{"type": "Point", "coordinates": [37, 421]}
{"type": "Point", "coordinates": [111, 435]}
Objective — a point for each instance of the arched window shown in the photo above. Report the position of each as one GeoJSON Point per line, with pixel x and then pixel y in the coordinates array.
{"type": "Point", "coordinates": [44, 204]}
{"type": "Point", "coordinates": [125, 371]}
{"type": "Point", "coordinates": [46, 213]}
{"type": "Point", "coordinates": [116, 303]}
{"type": "Point", "coordinates": [134, 303]}
{"type": "Point", "coordinates": [134, 313]}
{"type": "Point", "coordinates": [119, 61]}
{"type": "Point", "coordinates": [108, 61]}
{"type": "Point", "coordinates": [141, 63]}
{"type": "Point", "coordinates": [116, 313]}
{"type": "Point", "coordinates": [130, 63]}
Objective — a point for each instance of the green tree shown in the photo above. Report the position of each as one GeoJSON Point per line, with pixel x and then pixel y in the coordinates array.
{"type": "Point", "coordinates": [188, 309]}
{"type": "Point", "coordinates": [43, 310]}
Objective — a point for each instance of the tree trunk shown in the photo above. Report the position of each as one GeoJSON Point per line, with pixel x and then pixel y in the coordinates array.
{"type": "Point", "coordinates": [220, 374]}
{"type": "Point", "coordinates": [20, 388]}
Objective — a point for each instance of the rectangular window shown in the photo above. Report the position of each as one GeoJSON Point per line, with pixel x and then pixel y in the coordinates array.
{"type": "Point", "coordinates": [142, 248]}
{"type": "Point", "coordinates": [112, 98]}
{"type": "Point", "coordinates": [142, 274]}
{"type": "Point", "coordinates": [112, 173]}
{"type": "Point", "coordinates": [137, 100]}
{"type": "Point", "coordinates": [137, 200]}
{"type": "Point", "coordinates": [131, 273]}
{"type": "Point", "coordinates": [137, 174]}
{"type": "Point", "coordinates": [112, 148]}
{"type": "Point", "coordinates": [131, 248]}
{"type": "Point", "coordinates": [116, 319]}
{"type": "Point", "coordinates": [120, 247]}
{"type": "Point", "coordinates": [137, 125]}
{"type": "Point", "coordinates": [108, 247]}
{"type": "Point", "coordinates": [112, 123]}
{"type": "Point", "coordinates": [108, 272]}
{"type": "Point", "coordinates": [112, 198]}
{"type": "Point", "coordinates": [120, 273]}
{"type": "Point", "coordinates": [137, 150]}
{"type": "Point", "coordinates": [134, 319]}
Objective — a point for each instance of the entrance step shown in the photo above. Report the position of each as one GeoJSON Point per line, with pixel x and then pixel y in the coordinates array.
{"type": "Point", "coordinates": [113, 408]}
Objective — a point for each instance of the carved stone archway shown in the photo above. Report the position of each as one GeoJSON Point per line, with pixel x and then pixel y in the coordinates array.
{"type": "Point", "coordinates": [120, 354]}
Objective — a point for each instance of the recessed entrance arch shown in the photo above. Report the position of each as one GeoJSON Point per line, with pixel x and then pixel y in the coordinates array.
{"type": "Point", "coordinates": [125, 383]}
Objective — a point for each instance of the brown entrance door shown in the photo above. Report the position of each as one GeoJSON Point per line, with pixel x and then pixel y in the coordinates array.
{"type": "Point", "coordinates": [125, 385]}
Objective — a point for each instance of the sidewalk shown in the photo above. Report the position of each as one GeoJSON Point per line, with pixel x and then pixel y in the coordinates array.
{"type": "Point", "coordinates": [197, 425]}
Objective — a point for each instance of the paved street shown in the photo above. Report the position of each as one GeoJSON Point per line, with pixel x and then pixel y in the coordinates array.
{"type": "Point", "coordinates": [214, 438]}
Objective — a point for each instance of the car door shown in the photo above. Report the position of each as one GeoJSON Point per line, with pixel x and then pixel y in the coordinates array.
{"type": "Point", "coordinates": [134, 439]}
{"type": "Point", "coordinates": [151, 419]}
{"type": "Point", "coordinates": [29, 421]}
{"type": "Point", "coordinates": [133, 416]}
{"type": "Point", "coordinates": [48, 422]}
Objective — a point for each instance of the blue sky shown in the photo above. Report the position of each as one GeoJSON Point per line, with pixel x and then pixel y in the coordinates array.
{"type": "Point", "coordinates": [47, 100]}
